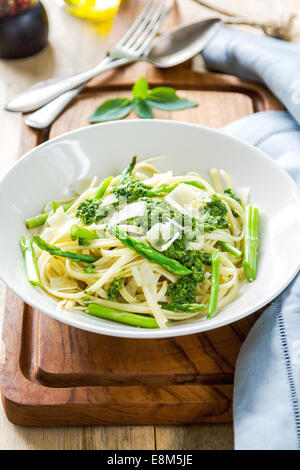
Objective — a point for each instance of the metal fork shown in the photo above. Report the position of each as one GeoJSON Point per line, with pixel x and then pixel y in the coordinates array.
{"type": "Point", "coordinates": [129, 49]}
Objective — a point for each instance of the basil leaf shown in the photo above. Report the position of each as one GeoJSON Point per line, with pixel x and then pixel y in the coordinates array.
{"type": "Point", "coordinates": [112, 109]}
{"type": "Point", "coordinates": [174, 105]}
{"type": "Point", "coordinates": [142, 108]}
{"type": "Point", "coordinates": [163, 93]}
{"type": "Point", "coordinates": [140, 89]}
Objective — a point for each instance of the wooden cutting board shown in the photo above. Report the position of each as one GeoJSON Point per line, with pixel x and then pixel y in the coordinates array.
{"type": "Point", "coordinates": [53, 374]}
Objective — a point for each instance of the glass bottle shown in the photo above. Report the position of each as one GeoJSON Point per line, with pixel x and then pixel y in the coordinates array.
{"type": "Point", "coordinates": [23, 28]}
{"type": "Point", "coordinates": [93, 10]}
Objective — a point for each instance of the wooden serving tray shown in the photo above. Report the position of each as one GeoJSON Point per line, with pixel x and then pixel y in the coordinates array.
{"type": "Point", "coordinates": [53, 374]}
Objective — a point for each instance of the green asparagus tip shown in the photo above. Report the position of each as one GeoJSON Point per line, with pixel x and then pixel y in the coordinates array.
{"type": "Point", "coordinates": [40, 219]}
{"type": "Point", "coordinates": [102, 188]}
{"type": "Point", "coordinates": [81, 232]}
{"type": "Point", "coordinates": [121, 317]}
{"type": "Point", "coordinates": [231, 249]}
{"type": "Point", "coordinates": [30, 261]}
{"type": "Point", "coordinates": [193, 308]}
{"type": "Point", "coordinates": [55, 251]}
{"type": "Point", "coordinates": [55, 206]}
{"type": "Point", "coordinates": [214, 288]}
{"type": "Point", "coordinates": [251, 242]}
{"type": "Point", "coordinates": [149, 253]}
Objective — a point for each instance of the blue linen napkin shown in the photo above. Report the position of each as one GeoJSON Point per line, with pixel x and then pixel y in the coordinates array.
{"type": "Point", "coordinates": [267, 377]}
{"type": "Point", "coordinates": [263, 59]}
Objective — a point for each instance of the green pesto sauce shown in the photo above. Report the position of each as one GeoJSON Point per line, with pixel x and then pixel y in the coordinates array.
{"type": "Point", "coordinates": [132, 189]}
{"type": "Point", "coordinates": [231, 194]}
{"type": "Point", "coordinates": [184, 290]}
{"type": "Point", "coordinates": [114, 288]}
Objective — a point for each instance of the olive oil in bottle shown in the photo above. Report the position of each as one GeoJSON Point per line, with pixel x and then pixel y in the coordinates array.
{"type": "Point", "coordinates": [93, 10]}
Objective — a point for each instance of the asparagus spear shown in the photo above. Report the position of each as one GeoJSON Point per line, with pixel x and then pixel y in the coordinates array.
{"type": "Point", "coordinates": [82, 232]}
{"type": "Point", "coordinates": [102, 188]}
{"type": "Point", "coordinates": [196, 184]}
{"type": "Point", "coordinates": [40, 219]}
{"type": "Point", "coordinates": [184, 307]}
{"type": "Point", "coordinates": [147, 252]}
{"type": "Point", "coordinates": [165, 189]}
{"type": "Point", "coordinates": [251, 242]}
{"type": "Point", "coordinates": [30, 261]}
{"type": "Point", "coordinates": [128, 171]}
{"type": "Point", "coordinates": [36, 221]}
{"type": "Point", "coordinates": [214, 289]}
{"type": "Point", "coordinates": [231, 249]}
{"type": "Point", "coordinates": [55, 206]}
{"type": "Point", "coordinates": [121, 317]}
{"type": "Point", "coordinates": [55, 251]}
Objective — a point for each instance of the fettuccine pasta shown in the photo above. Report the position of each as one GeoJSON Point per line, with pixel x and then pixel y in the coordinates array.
{"type": "Point", "coordinates": [164, 248]}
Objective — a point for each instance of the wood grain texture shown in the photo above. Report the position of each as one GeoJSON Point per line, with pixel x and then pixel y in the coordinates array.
{"type": "Point", "coordinates": [204, 395]}
{"type": "Point", "coordinates": [116, 437]}
{"type": "Point", "coordinates": [205, 437]}
{"type": "Point", "coordinates": [68, 357]}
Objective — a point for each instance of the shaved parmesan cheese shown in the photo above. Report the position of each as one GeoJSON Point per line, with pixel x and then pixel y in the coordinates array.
{"type": "Point", "coordinates": [47, 234]}
{"type": "Point", "coordinates": [109, 199]}
{"type": "Point", "coordinates": [183, 194]}
{"type": "Point", "coordinates": [203, 196]}
{"type": "Point", "coordinates": [176, 224]}
{"type": "Point", "coordinates": [169, 243]}
{"type": "Point", "coordinates": [175, 204]}
{"type": "Point", "coordinates": [243, 193]}
{"type": "Point", "coordinates": [59, 219]}
{"type": "Point", "coordinates": [161, 236]}
{"type": "Point", "coordinates": [184, 198]}
{"type": "Point", "coordinates": [159, 178]}
{"type": "Point", "coordinates": [136, 209]}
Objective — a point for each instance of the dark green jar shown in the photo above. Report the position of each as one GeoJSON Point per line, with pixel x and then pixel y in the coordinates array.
{"type": "Point", "coordinates": [23, 28]}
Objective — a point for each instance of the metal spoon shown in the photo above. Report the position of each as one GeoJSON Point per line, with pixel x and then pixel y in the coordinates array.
{"type": "Point", "coordinates": [170, 49]}
{"type": "Point", "coordinates": [182, 43]}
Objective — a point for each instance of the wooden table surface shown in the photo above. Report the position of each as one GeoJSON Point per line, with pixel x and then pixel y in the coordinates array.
{"type": "Point", "coordinates": [71, 38]}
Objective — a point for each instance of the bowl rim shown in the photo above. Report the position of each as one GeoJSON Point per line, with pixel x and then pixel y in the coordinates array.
{"type": "Point", "coordinates": [141, 333]}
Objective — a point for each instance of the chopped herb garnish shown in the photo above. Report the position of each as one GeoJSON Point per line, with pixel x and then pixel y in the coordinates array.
{"type": "Point", "coordinates": [132, 189]}
{"type": "Point", "coordinates": [90, 269]}
{"type": "Point", "coordinates": [183, 291]}
{"type": "Point", "coordinates": [83, 242]}
{"type": "Point", "coordinates": [114, 288]}
{"type": "Point", "coordinates": [214, 214]}
{"type": "Point", "coordinates": [231, 194]}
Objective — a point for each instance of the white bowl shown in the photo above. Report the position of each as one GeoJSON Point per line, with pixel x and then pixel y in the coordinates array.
{"type": "Point", "coordinates": [47, 172]}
